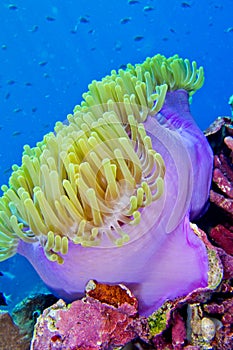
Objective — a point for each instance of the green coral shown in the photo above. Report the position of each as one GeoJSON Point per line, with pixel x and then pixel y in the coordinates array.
{"type": "Point", "coordinates": [158, 320]}
{"type": "Point", "coordinates": [215, 272]}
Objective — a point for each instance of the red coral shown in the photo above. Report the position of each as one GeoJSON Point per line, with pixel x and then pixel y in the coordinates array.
{"type": "Point", "coordinates": [221, 196]}
{"type": "Point", "coordinates": [114, 295]}
{"type": "Point", "coordinates": [223, 237]}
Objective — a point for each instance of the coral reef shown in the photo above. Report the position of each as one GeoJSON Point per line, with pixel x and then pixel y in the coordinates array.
{"type": "Point", "coordinates": [220, 135]}
{"type": "Point", "coordinates": [105, 319]}
{"type": "Point", "coordinates": [200, 320]}
{"type": "Point", "coordinates": [124, 175]}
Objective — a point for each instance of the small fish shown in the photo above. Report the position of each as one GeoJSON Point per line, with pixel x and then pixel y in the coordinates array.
{"type": "Point", "coordinates": [218, 7]}
{"type": "Point", "coordinates": [1, 274]}
{"type": "Point", "coordinates": [91, 31]}
{"type": "Point", "coordinates": [12, 7]}
{"type": "Point", "coordinates": [50, 18]}
{"type": "Point", "coordinates": [84, 19]}
{"type": "Point", "coordinates": [138, 38]}
{"type": "Point", "coordinates": [172, 30]}
{"type": "Point", "coordinates": [7, 96]}
{"type": "Point", "coordinates": [16, 133]}
{"type": "Point", "coordinates": [73, 31]}
{"type": "Point", "coordinates": [165, 39]}
{"type": "Point", "coordinates": [123, 66]}
{"type": "Point", "coordinates": [2, 299]}
{"type": "Point", "coordinates": [34, 109]}
{"type": "Point", "coordinates": [148, 8]}
{"type": "Point", "coordinates": [125, 20]}
{"type": "Point", "coordinates": [10, 82]}
{"type": "Point", "coordinates": [229, 30]}
{"type": "Point", "coordinates": [133, 2]}
{"type": "Point", "coordinates": [28, 83]}
{"type": "Point", "coordinates": [7, 170]}
{"type": "Point", "coordinates": [4, 47]}
{"type": "Point", "coordinates": [46, 126]}
{"type": "Point", "coordinates": [42, 63]}
{"type": "Point", "coordinates": [185, 5]}
{"type": "Point", "coordinates": [8, 274]}
{"type": "Point", "coordinates": [17, 110]}
{"type": "Point", "coordinates": [34, 28]}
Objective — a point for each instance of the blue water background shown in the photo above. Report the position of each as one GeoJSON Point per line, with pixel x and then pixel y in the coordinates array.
{"type": "Point", "coordinates": [51, 50]}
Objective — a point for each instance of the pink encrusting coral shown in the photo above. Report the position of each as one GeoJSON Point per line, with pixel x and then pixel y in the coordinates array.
{"type": "Point", "coordinates": [110, 194]}
{"type": "Point", "coordinates": [88, 324]}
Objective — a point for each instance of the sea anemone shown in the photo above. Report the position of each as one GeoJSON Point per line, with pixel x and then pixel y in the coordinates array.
{"type": "Point", "coordinates": [109, 194]}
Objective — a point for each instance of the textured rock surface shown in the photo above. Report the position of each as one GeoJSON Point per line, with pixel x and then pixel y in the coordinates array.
{"type": "Point", "coordinates": [10, 337]}
{"type": "Point", "coordinates": [90, 323]}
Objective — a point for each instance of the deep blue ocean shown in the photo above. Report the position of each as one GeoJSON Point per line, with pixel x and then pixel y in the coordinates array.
{"type": "Point", "coordinates": [51, 50]}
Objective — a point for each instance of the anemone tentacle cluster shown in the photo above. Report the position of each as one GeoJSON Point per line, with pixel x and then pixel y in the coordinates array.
{"type": "Point", "coordinates": [90, 181]}
{"type": "Point", "coordinates": [57, 195]}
